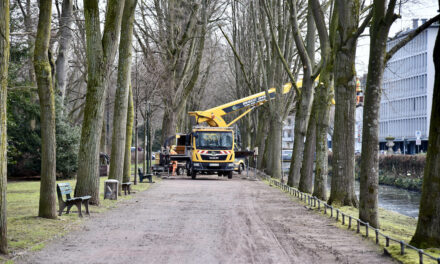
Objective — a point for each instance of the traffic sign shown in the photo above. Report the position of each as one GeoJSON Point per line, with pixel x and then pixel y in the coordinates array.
{"type": "Point", "coordinates": [418, 142]}
{"type": "Point", "coordinates": [418, 134]}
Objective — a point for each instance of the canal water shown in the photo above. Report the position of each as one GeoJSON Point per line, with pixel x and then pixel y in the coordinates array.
{"type": "Point", "coordinates": [390, 198]}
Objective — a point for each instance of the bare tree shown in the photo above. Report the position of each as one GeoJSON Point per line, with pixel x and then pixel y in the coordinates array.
{"type": "Point", "coordinates": [122, 92]}
{"type": "Point", "coordinates": [428, 226]}
{"type": "Point", "coordinates": [343, 178]}
{"type": "Point", "coordinates": [100, 56]}
{"type": "Point", "coordinates": [383, 18]}
{"type": "Point", "coordinates": [43, 72]}
{"type": "Point", "coordinates": [4, 62]}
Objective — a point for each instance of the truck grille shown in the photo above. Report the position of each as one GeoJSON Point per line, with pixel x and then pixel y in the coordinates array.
{"type": "Point", "coordinates": [214, 157]}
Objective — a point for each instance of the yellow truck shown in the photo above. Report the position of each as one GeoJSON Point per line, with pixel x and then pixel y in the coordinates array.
{"type": "Point", "coordinates": [210, 149]}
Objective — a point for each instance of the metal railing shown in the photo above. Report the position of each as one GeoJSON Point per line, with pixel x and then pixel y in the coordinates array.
{"type": "Point", "coordinates": [313, 201]}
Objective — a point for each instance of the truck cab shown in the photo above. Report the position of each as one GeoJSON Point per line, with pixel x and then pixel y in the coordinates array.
{"type": "Point", "coordinates": [212, 151]}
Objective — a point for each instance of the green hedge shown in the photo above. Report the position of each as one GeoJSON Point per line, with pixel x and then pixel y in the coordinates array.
{"type": "Point", "coordinates": [404, 171]}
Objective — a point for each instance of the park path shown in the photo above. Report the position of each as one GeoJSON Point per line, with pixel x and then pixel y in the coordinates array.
{"type": "Point", "coordinates": [209, 220]}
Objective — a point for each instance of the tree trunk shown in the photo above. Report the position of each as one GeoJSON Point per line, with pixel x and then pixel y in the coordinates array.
{"type": "Point", "coordinates": [302, 116]}
{"type": "Point", "coordinates": [276, 147]}
{"type": "Point", "coordinates": [323, 101]}
{"type": "Point", "coordinates": [122, 91]}
{"type": "Point", "coordinates": [4, 63]}
{"type": "Point", "coordinates": [128, 138]}
{"type": "Point", "coordinates": [43, 72]}
{"type": "Point", "coordinates": [100, 56]}
{"type": "Point", "coordinates": [369, 175]}
{"type": "Point", "coordinates": [343, 177]}
{"type": "Point", "coordinates": [428, 226]}
{"type": "Point", "coordinates": [320, 182]}
{"type": "Point", "coordinates": [64, 40]}
{"type": "Point", "coordinates": [306, 181]}
{"type": "Point", "coordinates": [169, 123]}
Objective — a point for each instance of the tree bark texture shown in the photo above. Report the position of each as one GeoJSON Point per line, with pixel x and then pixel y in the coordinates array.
{"type": "Point", "coordinates": [304, 105]}
{"type": "Point", "coordinates": [64, 39]}
{"type": "Point", "coordinates": [306, 181]}
{"type": "Point", "coordinates": [4, 63]}
{"type": "Point", "coordinates": [100, 55]}
{"type": "Point", "coordinates": [128, 138]}
{"type": "Point", "coordinates": [428, 226]}
{"type": "Point", "coordinates": [343, 178]}
{"type": "Point", "coordinates": [122, 91]}
{"type": "Point", "coordinates": [43, 73]}
{"type": "Point", "coordinates": [369, 175]}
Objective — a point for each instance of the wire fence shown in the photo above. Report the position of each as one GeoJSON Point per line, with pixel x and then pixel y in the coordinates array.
{"type": "Point", "coordinates": [314, 202]}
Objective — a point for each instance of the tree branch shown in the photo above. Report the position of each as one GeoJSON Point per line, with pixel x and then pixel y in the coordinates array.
{"type": "Point", "coordinates": [409, 37]}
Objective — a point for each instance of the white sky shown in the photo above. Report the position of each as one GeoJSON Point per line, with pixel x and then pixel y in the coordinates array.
{"type": "Point", "coordinates": [422, 9]}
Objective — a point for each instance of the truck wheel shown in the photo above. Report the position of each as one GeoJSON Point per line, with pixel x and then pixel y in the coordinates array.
{"type": "Point", "coordinates": [193, 174]}
{"type": "Point", "coordinates": [229, 174]}
{"type": "Point", "coordinates": [240, 168]}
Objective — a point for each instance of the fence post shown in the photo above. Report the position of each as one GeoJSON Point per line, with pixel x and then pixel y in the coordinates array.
{"type": "Point", "coordinates": [325, 208]}
{"type": "Point", "coordinates": [331, 211]}
{"type": "Point", "coordinates": [387, 244]}
{"type": "Point", "coordinates": [343, 218]}
{"type": "Point", "coordinates": [337, 214]}
{"type": "Point", "coordinates": [420, 256]}
{"type": "Point", "coordinates": [319, 205]}
{"type": "Point", "coordinates": [366, 229]}
{"type": "Point", "coordinates": [358, 226]}
{"type": "Point", "coordinates": [402, 247]}
{"type": "Point", "coordinates": [377, 236]}
{"type": "Point", "coordinates": [349, 222]}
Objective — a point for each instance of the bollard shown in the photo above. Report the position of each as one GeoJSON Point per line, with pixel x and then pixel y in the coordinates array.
{"type": "Point", "coordinates": [358, 226]}
{"type": "Point", "coordinates": [377, 236]}
{"type": "Point", "coordinates": [420, 256]}
{"type": "Point", "coordinates": [343, 219]}
{"type": "Point", "coordinates": [366, 229]}
{"type": "Point", "coordinates": [402, 247]}
{"type": "Point", "coordinates": [349, 222]}
{"type": "Point", "coordinates": [387, 243]}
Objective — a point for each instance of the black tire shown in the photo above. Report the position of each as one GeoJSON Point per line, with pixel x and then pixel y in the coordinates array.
{"type": "Point", "coordinates": [229, 174]}
{"type": "Point", "coordinates": [240, 168]}
{"type": "Point", "coordinates": [219, 173]}
{"type": "Point", "coordinates": [193, 174]}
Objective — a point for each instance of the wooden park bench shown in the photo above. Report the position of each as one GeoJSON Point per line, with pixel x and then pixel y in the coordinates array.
{"type": "Point", "coordinates": [66, 189]}
{"type": "Point", "coordinates": [142, 176]}
{"type": "Point", "coordinates": [126, 187]}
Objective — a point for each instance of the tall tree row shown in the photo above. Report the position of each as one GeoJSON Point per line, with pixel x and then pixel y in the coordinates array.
{"type": "Point", "coordinates": [100, 52]}
{"type": "Point", "coordinates": [4, 63]}
{"type": "Point", "coordinates": [46, 94]}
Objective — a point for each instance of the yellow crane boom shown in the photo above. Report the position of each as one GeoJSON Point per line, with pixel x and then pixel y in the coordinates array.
{"type": "Point", "coordinates": [214, 116]}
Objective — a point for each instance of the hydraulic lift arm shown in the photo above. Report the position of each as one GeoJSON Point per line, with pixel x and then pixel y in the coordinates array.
{"type": "Point", "coordinates": [214, 116]}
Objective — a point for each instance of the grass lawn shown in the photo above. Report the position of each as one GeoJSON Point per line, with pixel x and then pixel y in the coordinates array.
{"type": "Point", "coordinates": [394, 225]}
{"type": "Point", "coordinates": [27, 232]}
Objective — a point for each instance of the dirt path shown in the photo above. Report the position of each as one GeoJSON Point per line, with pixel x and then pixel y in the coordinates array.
{"type": "Point", "coordinates": [209, 221]}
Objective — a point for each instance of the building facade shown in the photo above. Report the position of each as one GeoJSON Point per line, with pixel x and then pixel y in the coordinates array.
{"type": "Point", "coordinates": [288, 132]}
{"type": "Point", "coordinates": [408, 82]}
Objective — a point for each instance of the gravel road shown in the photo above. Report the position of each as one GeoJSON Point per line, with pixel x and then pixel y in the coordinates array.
{"type": "Point", "coordinates": [209, 220]}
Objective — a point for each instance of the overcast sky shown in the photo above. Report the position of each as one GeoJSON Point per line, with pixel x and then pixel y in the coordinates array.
{"type": "Point", "coordinates": [422, 9]}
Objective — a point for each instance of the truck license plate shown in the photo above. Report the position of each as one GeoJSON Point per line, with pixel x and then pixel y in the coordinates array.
{"type": "Point", "coordinates": [213, 164]}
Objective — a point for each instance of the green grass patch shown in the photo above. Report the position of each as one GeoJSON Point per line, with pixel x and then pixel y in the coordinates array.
{"type": "Point", "coordinates": [392, 224]}
{"type": "Point", "coordinates": [26, 231]}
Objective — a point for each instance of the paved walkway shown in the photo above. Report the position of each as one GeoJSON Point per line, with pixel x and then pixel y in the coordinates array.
{"type": "Point", "coordinates": [209, 220]}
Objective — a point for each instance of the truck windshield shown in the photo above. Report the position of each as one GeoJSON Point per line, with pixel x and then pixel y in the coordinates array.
{"type": "Point", "coordinates": [214, 140]}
